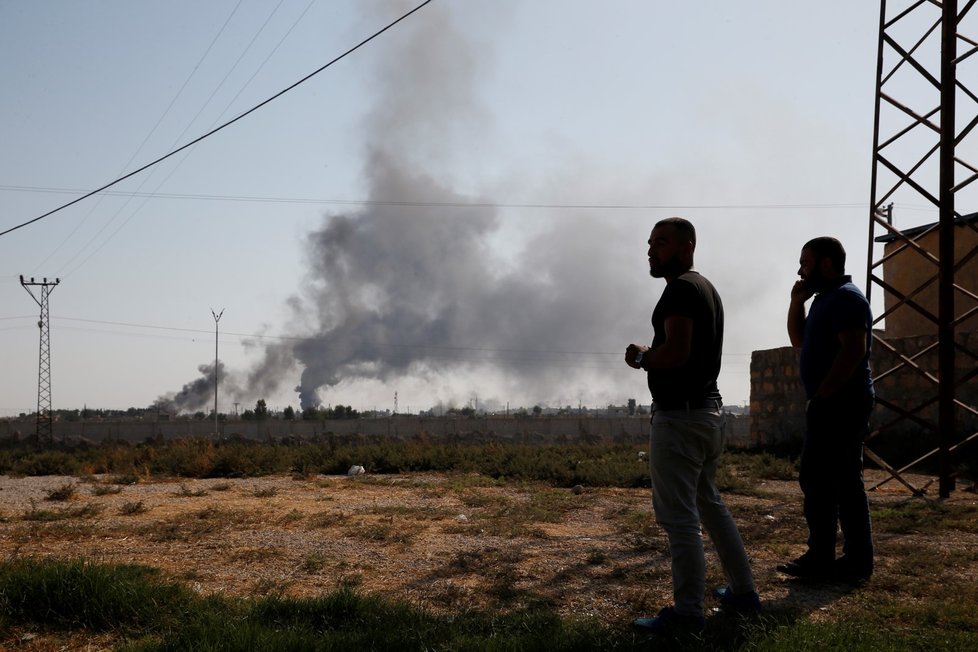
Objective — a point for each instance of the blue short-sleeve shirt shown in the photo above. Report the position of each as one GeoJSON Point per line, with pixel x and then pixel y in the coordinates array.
{"type": "Point", "coordinates": [833, 311]}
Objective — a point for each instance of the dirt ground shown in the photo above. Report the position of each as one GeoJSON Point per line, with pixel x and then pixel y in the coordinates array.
{"type": "Point", "coordinates": [444, 542]}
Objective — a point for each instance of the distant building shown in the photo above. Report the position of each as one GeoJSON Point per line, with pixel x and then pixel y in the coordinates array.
{"type": "Point", "coordinates": [906, 270]}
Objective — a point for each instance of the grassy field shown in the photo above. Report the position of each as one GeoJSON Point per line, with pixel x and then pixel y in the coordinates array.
{"type": "Point", "coordinates": [194, 545]}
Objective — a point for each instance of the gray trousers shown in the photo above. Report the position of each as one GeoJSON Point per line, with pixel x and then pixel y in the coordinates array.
{"type": "Point", "coordinates": [685, 450]}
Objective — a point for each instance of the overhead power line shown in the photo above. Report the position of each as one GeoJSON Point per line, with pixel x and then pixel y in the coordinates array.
{"type": "Point", "coordinates": [299, 338]}
{"type": "Point", "coordinates": [159, 121]}
{"type": "Point", "coordinates": [223, 126]}
{"type": "Point", "coordinates": [437, 204]}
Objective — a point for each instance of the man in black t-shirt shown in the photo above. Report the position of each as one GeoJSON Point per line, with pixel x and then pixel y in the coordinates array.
{"type": "Point", "coordinates": [686, 441]}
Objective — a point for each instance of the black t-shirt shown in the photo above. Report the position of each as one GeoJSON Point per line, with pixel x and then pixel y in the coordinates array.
{"type": "Point", "coordinates": [689, 295]}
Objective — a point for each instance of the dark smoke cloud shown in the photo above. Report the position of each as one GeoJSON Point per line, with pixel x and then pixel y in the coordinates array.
{"type": "Point", "coordinates": [198, 394]}
{"type": "Point", "coordinates": [420, 289]}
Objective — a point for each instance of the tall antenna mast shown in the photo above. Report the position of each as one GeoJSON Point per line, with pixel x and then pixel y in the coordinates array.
{"type": "Point", "coordinates": [45, 420]}
{"type": "Point", "coordinates": [217, 318]}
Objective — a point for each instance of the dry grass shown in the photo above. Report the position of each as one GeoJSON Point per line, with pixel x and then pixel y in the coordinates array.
{"type": "Point", "coordinates": [454, 542]}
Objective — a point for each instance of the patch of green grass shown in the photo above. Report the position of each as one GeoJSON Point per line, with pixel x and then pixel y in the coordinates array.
{"type": "Point", "coordinates": [385, 531]}
{"type": "Point", "coordinates": [313, 563]}
{"type": "Point", "coordinates": [291, 516]}
{"type": "Point", "coordinates": [156, 616]}
{"type": "Point", "coordinates": [35, 514]}
{"type": "Point", "coordinates": [413, 513]}
{"type": "Point", "coordinates": [923, 515]}
{"type": "Point", "coordinates": [517, 517]}
{"type": "Point", "coordinates": [762, 466]}
{"type": "Point", "coordinates": [74, 594]}
{"type": "Point", "coordinates": [856, 634]}
{"type": "Point", "coordinates": [324, 520]}
{"type": "Point", "coordinates": [81, 511]}
{"type": "Point", "coordinates": [193, 525]}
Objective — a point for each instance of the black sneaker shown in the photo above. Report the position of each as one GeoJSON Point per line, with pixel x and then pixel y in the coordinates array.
{"type": "Point", "coordinates": [852, 571]}
{"type": "Point", "coordinates": [670, 623]}
{"type": "Point", "coordinates": [738, 603]}
{"type": "Point", "coordinates": [805, 568]}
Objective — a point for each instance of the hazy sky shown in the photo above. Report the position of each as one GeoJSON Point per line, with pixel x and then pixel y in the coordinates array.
{"type": "Point", "coordinates": [458, 211]}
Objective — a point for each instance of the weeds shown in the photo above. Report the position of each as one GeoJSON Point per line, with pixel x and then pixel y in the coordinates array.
{"type": "Point", "coordinates": [313, 563]}
{"type": "Point", "coordinates": [47, 515]}
{"type": "Point", "coordinates": [386, 532]}
{"type": "Point", "coordinates": [64, 492]}
{"type": "Point", "coordinates": [187, 492]}
{"type": "Point", "coordinates": [498, 596]}
{"type": "Point", "coordinates": [133, 508]}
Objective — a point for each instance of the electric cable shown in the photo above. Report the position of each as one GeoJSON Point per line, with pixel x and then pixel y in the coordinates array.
{"type": "Point", "coordinates": [442, 204]}
{"type": "Point", "coordinates": [173, 170]}
{"type": "Point", "coordinates": [297, 338]}
{"type": "Point", "coordinates": [223, 126]}
{"type": "Point", "coordinates": [159, 121]}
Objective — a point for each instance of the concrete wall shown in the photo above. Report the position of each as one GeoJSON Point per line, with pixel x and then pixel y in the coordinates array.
{"type": "Point", "coordinates": [526, 430]}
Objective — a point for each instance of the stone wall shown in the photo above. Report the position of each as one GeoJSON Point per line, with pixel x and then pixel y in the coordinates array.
{"type": "Point", "coordinates": [777, 400]}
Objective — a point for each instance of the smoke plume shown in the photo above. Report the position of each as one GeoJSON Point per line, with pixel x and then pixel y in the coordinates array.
{"type": "Point", "coordinates": [198, 394]}
{"type": "Point", "coordinates": [415, 284]}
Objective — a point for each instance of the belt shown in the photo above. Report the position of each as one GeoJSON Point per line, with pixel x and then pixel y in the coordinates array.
{"type": "Point", "coordinates": [695, 404]}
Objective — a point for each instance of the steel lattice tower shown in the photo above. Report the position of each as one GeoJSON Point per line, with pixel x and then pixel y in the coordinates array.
{"type": "Point", "coordinates": [925, 113]}
{"type": "Point", "coordinates": [45, 418]}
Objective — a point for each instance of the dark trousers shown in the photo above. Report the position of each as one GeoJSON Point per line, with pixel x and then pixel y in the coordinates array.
{"type": "Point", "coordinates": [831, 479]}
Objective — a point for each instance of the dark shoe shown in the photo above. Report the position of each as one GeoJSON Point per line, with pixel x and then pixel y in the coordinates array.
{"type": "Point", "coordinates": [738, 603]}
{"type": "Point", "coordinates": [804, 568]}
{"type": "Point", "coordinates": [852, 571]}
{"type": "Point", "coordinates": [668, 622]}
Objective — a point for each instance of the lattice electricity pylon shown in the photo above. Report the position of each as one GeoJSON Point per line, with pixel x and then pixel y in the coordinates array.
{"type": "Point", "coordinates": [45, 418]}
{"type": "Point", "coordinates": [925, 114]}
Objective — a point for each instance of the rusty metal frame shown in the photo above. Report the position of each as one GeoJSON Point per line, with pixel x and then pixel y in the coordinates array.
{"type": "Point", "coordinates": [938, 125]}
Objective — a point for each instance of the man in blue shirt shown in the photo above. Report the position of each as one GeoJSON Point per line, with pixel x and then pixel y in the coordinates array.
{"type": "Point", "coordinates": [835, 339]}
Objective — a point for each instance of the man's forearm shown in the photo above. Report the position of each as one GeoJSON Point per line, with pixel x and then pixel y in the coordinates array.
{"type": "Point", "coordinates": [796, 322]}
{"type": "Point", "coordinates": [662, 357]}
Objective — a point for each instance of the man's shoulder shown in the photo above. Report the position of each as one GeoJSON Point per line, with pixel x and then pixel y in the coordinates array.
{"type": "Point", "coordinates": [694, 278]}
{"type": "Point", "coordinates": [849, 294]}
{"type": "Point", "coordinates": [690, 293]}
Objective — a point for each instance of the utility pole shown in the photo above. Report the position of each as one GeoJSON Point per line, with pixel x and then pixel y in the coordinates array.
{"type": "Point", "coordinates": [217, 318]}
{"type": "Point", "coordinates": [45, 420]}
{"type": "Point", "coordinates": [920, 146]}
